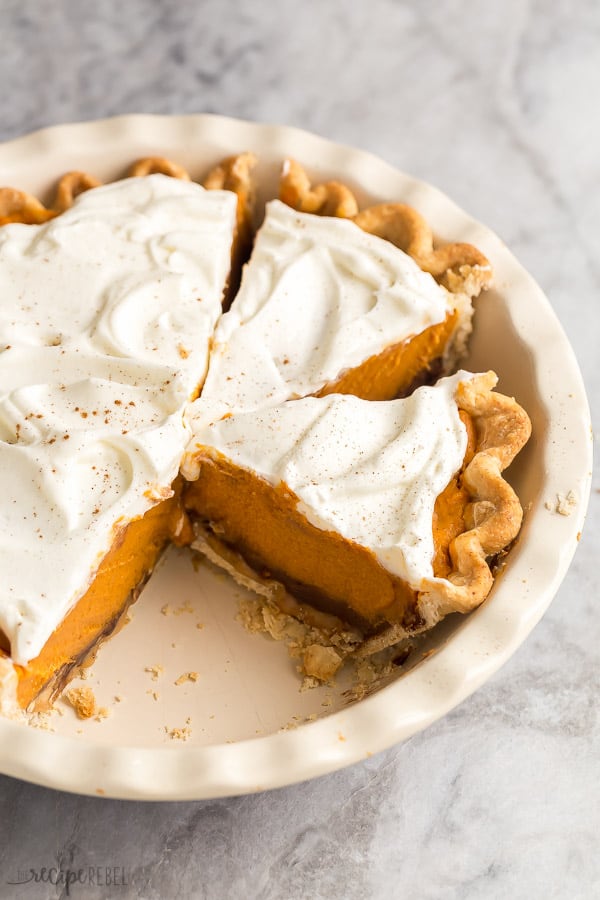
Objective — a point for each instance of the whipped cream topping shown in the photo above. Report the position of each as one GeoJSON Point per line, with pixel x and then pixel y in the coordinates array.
{"type": "Point", "coordinates": [370, 471]}
{"type": "Point", "coordinates": [318, 296]}
{"type": "Point", "coordinates": [106, 313]}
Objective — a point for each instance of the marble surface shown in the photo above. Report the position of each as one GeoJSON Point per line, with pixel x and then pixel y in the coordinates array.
{"type": "Point", "coordinates": [495, 104]}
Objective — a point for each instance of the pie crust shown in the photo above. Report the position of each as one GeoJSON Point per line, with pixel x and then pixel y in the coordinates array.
{"type": "Point", "coordinates": [460, 267]}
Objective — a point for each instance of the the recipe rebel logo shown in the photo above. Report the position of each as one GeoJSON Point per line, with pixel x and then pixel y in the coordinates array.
{"type": "Point", "coordinates": [91, 876]}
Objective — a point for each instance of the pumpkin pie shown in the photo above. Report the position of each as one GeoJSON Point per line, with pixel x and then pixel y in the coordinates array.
{"type": "Point", "coordinates": [109, 301]}
{"type": "Point", "coordinates": [303, 477]}
{"type": "Point", "coordinates": [385, 515]}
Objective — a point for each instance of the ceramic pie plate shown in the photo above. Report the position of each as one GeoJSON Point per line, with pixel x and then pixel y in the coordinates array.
{"type": "Point", "coordinates": [244, 725]}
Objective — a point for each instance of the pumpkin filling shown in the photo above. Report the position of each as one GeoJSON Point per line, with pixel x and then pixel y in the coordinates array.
{"type": "Point", "coordinates": [398, 369]}
{"type": "Point", "coordinates": [263, 524]}
{"type": "Point", "coordinates": [115, 586]}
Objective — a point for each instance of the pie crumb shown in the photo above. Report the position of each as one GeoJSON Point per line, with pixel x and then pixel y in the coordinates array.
{"type": "Point", "coordinates": [41, 720]}
{"type": "Point", "coordinates": [563, 504]}
{"type": "Point", "coordinates": [185, 608]}
{"type": "Point", "coordinates": [187, 676]}
{"type": "Point", "coordinates": [83, 702]}
{"type": "Point", "coordinates": [155, 671]}
{"type": "Point", "coordinates": [179, 734]}
{"type": "Point", "coordinates": [321, 662]}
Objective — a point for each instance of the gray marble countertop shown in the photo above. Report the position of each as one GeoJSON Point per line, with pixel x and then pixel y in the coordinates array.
{"type": "Point", "coordinates": [496, 104]}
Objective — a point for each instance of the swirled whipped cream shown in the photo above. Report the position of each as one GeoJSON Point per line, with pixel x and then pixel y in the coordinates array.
{"type": "Point", "coordinates": [370, 471]}
{"type": "Point", "coordinates": [318, 296]}
{"type": "Point", "coordinates": [105, 318]}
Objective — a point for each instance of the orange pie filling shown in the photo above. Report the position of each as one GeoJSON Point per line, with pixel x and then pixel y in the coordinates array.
{"type": "Point", "coordinates": [240, 511]}
{"type": "Point", "coordinates": [322, 504]}
{"type": "Point", "coordinates": [115, 585]}
{"type": "Point", "coordinates": [401, 368]}
{"type": "Point", "coordinates": [121, 407]}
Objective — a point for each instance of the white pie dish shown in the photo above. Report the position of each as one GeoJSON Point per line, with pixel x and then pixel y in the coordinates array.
{"type": "Point", "coordinates": [246, 683]}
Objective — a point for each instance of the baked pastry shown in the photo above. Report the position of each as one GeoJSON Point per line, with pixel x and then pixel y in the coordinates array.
{"type": "Point", "coordinates": [108, 307]}
{"type": "Point", "coordinates": [333, 303]}
{"type": "Point", "coordinates": [385, 515]}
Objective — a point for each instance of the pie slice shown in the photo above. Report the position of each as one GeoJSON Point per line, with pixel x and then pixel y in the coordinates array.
{"type": "Point", "coordinates": [385, 515]}
{"type": "Point", "coordinates": [460, 267]}
{"type": "Point", "coordinates": [325, 306]}
{"type": "Point", "coordinates": [108, 307]}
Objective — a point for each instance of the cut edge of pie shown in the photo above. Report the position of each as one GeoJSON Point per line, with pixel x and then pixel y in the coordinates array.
{"type": "Point", "coordinates": [102, 607]}
{"type": "Point", "coordinates": [492, 517]}
{"type": "Point", "coordinates": [460, 268]}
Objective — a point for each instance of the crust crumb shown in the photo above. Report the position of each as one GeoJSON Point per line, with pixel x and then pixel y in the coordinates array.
{"type": "Point", "coordinates": [155, 671]}
{"type": "Point", "coordinates": [179, 734]}
{"type": "Point", "coordinates": [321, 662]}
{"type": "Point", "coordinates": [83, 702]}
{"type": "Point", "coordinates": [154, 694]}
{"type": "Point", "coordinates": [187, 676]}
{"type": "Point", "coordinates": [185, 608]}
{"type": "Point", "coordinates": [41, 720]}
{"type": "Point", "coordinates": [563, 504]}
{"type": "Point", "coordinates": [370, 672]}
{"type": "Point", "coordinates": [297, 721]}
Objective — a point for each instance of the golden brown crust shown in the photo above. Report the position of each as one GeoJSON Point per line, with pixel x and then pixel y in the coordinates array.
{"type": "Point", "coordinates": [70, 186]}
{"type": "Point", "coordinates": [158, 165]}
{"type": "Point", "coordinates": [329, 199]}
{"type": "Point", "coordinates": [234, 174]}
{"type": "Point", "coordinates": [494, 513]}
{"type": "Point", "coordinates": [231, 174]}
{"type": "Point", "coordinates": [461, 268]}
{"type": "Point", "coordinates": [18, 206]}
